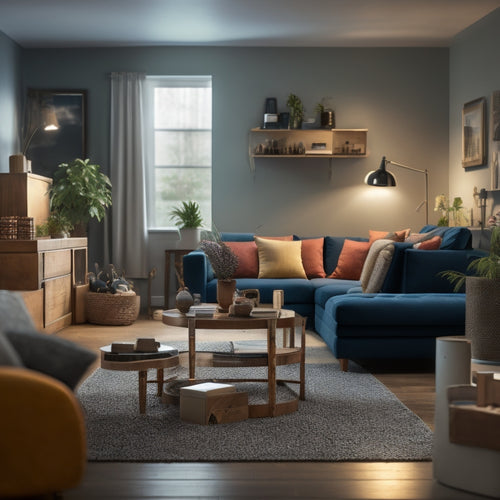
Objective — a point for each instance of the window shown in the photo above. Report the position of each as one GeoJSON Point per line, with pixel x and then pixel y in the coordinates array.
{"type": "Point", "coordinates": [179, 134]}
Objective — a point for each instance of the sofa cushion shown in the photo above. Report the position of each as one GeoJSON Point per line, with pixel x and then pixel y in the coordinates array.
{"type": "Point", "coordinates": [54, 356]}
{"type": "Point", "coordinates": [332, 250]}
{"type": "Point", "coordinates": [431, 244]}
{"type": "Point", "coordinates": [312, 257]}
{"type": "Point", "coordinates": [388, 235]}
{"type": "Point", "coordinates": [248, 259]}
{"type": "Point", "coordinates": [376, 265]}
{"type": "Point", "coordinates": [454, 238]}
{"type": "Point", "coordinates": [8, 355]}
{"type": "Point", "coordinates": [280, 259]}
{"type": "Point", "coordinates": [351, 260]}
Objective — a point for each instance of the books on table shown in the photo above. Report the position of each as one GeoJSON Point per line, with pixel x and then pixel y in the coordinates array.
{"type": "Point", "coordinates": [202, 311]}
{"type": "Point", "coordinates": [264, 312]}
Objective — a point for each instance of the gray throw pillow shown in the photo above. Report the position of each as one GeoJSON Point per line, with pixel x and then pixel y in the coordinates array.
{"type": "Point", "coordinates": [59, 358]}
{"type": "Point", "coordinates": [13, 313]}
{"type": "Point", "coordinates": [8, 355]}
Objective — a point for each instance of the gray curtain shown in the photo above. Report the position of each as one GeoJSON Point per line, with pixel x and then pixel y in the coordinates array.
{"type": "Point", "coordinates": [129, 235]}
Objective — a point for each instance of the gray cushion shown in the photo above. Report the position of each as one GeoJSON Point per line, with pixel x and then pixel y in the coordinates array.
{"type": "Point", "coordinates": [13, 313]}
{"type": "Point", "coordinates": [59, 358]}
{"type": "Point", "coordinates": [8, 355]}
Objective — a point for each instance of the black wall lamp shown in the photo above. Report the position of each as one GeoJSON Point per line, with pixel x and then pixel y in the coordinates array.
{"type": "Point", "coordinates": [382, 178]}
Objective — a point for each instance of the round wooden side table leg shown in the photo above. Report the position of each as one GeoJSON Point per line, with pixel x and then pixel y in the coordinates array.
{"type": "Point", "coordinates": [143, 375]}
{"type": "Point", "coordinates": [159, 381]}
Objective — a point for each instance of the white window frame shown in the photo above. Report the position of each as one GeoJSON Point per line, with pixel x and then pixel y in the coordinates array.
{"type": "Point", "coordinates": [153, 82]}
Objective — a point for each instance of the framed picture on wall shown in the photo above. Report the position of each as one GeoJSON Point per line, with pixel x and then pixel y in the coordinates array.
{"type": "Point", "coordinates": [65, 111]}
{"type": "Point", "coordinates": [474, 133]}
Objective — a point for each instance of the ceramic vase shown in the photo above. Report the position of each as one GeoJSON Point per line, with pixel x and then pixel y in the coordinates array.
{"type": "Point", "coordinates": [183, 300]}
{"type": "Point", "coordinates": [225, 292]}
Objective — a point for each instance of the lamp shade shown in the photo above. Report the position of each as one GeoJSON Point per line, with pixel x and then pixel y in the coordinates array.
{"type": "Point", "coordinates": [380, 177]}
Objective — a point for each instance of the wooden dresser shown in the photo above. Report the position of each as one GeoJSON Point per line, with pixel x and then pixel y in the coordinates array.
{"type": "Point", "coordinates": [49, 273]}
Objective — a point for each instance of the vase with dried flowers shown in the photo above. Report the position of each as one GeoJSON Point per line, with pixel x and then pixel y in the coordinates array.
{"type": "Point", "coordinates": [224, 263]}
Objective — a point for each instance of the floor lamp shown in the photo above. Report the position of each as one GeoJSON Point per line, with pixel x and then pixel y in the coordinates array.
{"type": "Point", "coordinates": [383, 178]}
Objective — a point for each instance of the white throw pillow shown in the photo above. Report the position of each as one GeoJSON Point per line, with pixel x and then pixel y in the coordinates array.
{"type": "Point", "coordinates": [376, 265]}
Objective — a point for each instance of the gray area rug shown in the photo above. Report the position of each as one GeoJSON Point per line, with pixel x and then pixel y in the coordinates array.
{"type": "Point", "coordinates": [345, 417]}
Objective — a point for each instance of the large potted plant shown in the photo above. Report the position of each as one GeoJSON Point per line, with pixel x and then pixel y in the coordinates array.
{"type": "Point", "coordinates": [482, 302]}
{"type": "Point", "coordinates": [80, 191]}
{"type": "Point", "coordinates": [187, 217]}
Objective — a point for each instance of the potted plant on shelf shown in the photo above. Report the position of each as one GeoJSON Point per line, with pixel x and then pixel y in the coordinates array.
{"type": "Point", "coordinates": [296, 111]}
{"type": "Point", "coordinates": [482, 301]}
{"type": "Point", "coordinates": [188, 219]}
{"type": "Point", "coordinates": [224, 263]}
{"type": "Point", "coordinates": [57, 226]}
{"type": "Point", "coordinates": [80, 192]}
{"type": "Point", "coordinates": [327, 115]}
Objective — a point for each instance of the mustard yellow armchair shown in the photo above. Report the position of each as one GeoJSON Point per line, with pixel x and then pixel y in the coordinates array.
{"type": "Point", "coordinates": [42, 434]}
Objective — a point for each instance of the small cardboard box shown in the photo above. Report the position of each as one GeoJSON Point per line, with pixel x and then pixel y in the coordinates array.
{"type": "Point", "coordinates": [213, 403]}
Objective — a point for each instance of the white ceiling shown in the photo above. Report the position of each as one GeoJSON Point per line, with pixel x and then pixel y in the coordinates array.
{"type": "Point", "coordinates": [306, 23]}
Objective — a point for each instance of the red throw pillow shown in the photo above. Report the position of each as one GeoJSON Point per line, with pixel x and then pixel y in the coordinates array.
{"type": "Point", "coordinates": [312, 257]}
{"type": "Point", "coordinates": [432, 244]}
{"type": "Point", "coordinates": [351, 260]}
{"type": "Point", "coordinates": [248, 258]}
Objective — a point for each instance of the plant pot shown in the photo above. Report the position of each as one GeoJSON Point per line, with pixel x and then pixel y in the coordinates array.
{"type": "Point", "coordinates": [295, 122]}
{"type": "Point", "coordinates": [225, 293]}
{"type": "Point", "coordinates": [482, 317]}
{"type": "Point", "coordinates": [190, 238]}
{"type": "Point", "coordinates": [79, 230]}
{"type": "Point", "coordinates": [328, 119]}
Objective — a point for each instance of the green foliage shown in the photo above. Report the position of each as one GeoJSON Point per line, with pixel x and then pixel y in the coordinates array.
{"type": "Point", "coordinates": [80, 191]}
{"type": "Point", "coordinates": [56, 225]}
{"type": "Point", "coordinates": [485, 267]}
{"type": "Point", "coordinates": [187, 215]}
{"type": "Point", "coordinates": [296, 108]}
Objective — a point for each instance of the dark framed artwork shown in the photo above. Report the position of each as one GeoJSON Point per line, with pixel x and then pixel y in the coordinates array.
{"type": "Point", "coordinates": [474, 133]}
{"type": "Point", "coordinates": [64, 109]}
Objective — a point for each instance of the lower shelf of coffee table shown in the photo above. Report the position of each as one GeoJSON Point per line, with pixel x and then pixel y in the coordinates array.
{"type": "Point", "coordinates": [171, 395]}
{"type": "Point", "coordinates": [284, 356]}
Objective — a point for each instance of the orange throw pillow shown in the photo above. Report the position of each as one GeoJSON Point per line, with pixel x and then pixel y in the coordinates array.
{"type": "Point", "coordinates": [312, 257]}
{"type": "Point", "coordinates": [351, 260]}
{"type": "Point", "coordinates": [432, 244]}
{"type": "Point", "coordinates": [289, 237]}
{"type": "Point", "coordinates": [388, 235]}
{"type": "Point", "coordinates": [248, 258]}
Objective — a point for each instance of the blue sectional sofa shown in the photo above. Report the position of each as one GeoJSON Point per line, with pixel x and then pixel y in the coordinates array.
{"type": "Point", "coordinates": [412, 306]}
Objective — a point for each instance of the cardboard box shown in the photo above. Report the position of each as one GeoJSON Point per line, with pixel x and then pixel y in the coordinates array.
{"type": "Point", "coordinates": [213, 403]}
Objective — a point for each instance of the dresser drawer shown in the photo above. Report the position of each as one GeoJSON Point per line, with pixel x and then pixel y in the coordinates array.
{"type": "Point", "coordinates": [57, 299]}
{"type": "Point", "coordinates": [56, 263]}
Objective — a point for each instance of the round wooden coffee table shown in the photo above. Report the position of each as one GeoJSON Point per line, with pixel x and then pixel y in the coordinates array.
{"type": "Point", "coordinates": [141, 362]}
{"type": "Point", "coordinates": [271, 358]}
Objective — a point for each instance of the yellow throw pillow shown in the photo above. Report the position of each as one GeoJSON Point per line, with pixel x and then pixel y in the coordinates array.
{"type": "Point", "coordinates": [280, 259]}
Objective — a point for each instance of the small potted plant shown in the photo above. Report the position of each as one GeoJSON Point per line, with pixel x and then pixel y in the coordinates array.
{"type": "Point", "coordinates": [327, 115]}
{"type": "Point", "coordinates": [80, 192]}
{"type": "Point", "coordinates": [187, 217]}
{"type": "Point", "coordinates": [296, 111]}
{"type": "Point", "coordinates": [56, 226]}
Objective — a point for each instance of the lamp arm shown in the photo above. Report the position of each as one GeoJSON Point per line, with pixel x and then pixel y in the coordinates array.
{"type": "Point", "coordinates": [28, 142]}
{"type": "Point", "coordinates": [426, 174]}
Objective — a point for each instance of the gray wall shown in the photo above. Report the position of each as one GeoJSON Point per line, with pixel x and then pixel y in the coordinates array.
{"type": "Point", "coordinates": [400, 95]}
{"type": "Point", "coordinates": [474, 73]}
{"type": "Point", "coordinates": [10, 99]}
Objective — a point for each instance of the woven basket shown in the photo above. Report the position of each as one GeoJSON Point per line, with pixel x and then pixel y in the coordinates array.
{"type": "Point", "coordinates": [109, 309]}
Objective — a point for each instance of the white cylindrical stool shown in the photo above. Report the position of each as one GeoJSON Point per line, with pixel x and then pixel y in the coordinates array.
{"type": "Point", "coordinates": [465, 467]}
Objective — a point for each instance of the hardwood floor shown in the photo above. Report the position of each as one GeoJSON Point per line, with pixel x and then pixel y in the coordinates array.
{"type": "Point", "coordinates": [413, 385]}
